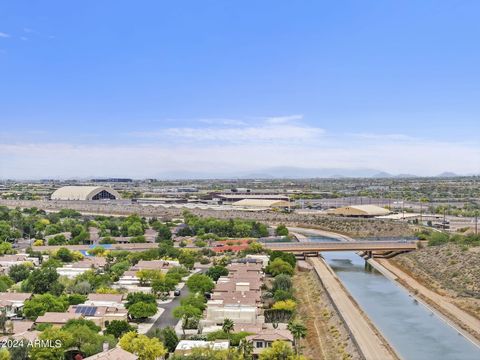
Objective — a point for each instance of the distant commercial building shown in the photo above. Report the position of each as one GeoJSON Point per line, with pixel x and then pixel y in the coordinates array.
{"type": "Point", "coordinates": [85, 193]}
{"type": "Point", "coordinates": [228, 198]}
{"type": "Point", "coordinates": [359, 211]}
{"type": "Point", "coordinates": [262, 203]}
{"type": "Point", "coordinates": [113, 180]}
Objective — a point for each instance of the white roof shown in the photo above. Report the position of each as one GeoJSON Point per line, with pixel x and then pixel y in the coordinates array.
{"type": "Point", "coordinates": [81, 192]}
{"type": "Point", "coordinates": [261, 203]}
{"type": "Point", "coordinates": [399, 216]}
{"type": "Point", "coordinates": [370, 210]}
{"type": "Point", "coordinates": [191, 344]}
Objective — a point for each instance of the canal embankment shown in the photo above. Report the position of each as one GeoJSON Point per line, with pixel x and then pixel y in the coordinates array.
{"type": "Point", "coordinates": [368, 339]}
{"type": "Point", "coordinates": [411, 325]}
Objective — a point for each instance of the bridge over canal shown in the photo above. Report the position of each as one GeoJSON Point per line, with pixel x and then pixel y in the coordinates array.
{"type": "Point", "coordinates": [313, 248]}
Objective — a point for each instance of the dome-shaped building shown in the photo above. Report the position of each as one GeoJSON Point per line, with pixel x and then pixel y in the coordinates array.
{"type": "Point", "coordinates": [85, 193]}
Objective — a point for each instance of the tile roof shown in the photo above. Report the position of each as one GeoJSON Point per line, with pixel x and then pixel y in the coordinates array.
{"type": "Point", "coordinates": [113, 354]}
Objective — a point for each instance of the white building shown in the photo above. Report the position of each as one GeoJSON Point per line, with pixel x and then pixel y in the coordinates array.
{"type": "Point", "coordinates": [185, 347]}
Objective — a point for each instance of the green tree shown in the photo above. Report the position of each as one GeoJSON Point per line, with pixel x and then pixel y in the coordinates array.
{"type": "Point", "coordinates": [282, 295]}
{"type": "Point", "coordinates": [144, 347]}
{"type": "Point", "coordinates": [74, 299]}
{"type": "Point", "coordinates": [187, 258]}
{"type": "Point", "coordinates": [279, 266]}
{"type": "Point", "coordinates": [74, 323]}
{"type": "Point", "coordinates": [281, 230]}
{"type": "Point", "coordinates": [142, 310]}
{"type": "Point", "coordinates": [255, 248]}
{"type": "Point", "coordinates": [169, 338]}
{"type": "Point", "coordinates": [227, 325]}
{"type": "Point", "coordinates": [245, 348]}
{"type": "Point", "coordinates": [64, 254]}
{"type": "Point", "coordinates": [136, 229]}
{"type": "Point", "coordinates": [200, 283]}
{"type": "Point", "coordinates": [40, 304]}
{"type": "Point", "coordinates": [118, 327]}
{"type": "Point", "coordinates": [87, 340]}
{"type": "Point", "coordinates": [164, 233]}
{"type": "Point", "coordinates": [285, 256]}
{"type": "Point", "coordinates": [280, 350]}
{"type": "Point", "coordinates": [138, 239]}
{"type": "Point", "coordinates": [164, 285]}
{"type": "Point", "coordinates": [196, 300]}
{"type": "Point", "coordinates": [19, 272]}
{"type": "Point", "coordinates": [215, 272]}
{"type": "Point", "coordinates": [186, 313]}
{"type": "Point", "coordinates": [42, 280]}
{"type": "Point", "coordinates": [133, 298]}
{"type": "Point", "coordinates": [282, 282]}
{"type": "Point", "coordinates": [20, 351]}
{"type": "Point", "coordinates": [298, 331]}
{"type": "Point", "coordinates": [61, 340]}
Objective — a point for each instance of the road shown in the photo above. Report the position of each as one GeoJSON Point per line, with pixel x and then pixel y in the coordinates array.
{"type": "Point", "coordinates": [370, 342]}
{"type": "Point", "coordinates": [167, 319]}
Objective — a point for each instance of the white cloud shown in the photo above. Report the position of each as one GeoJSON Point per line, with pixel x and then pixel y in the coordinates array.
{"type": "Point", "coordinates": [220, 121]}
{"type": "Point", "coordinates": [4, 35]}
{"type": "Point", "coordinates": [264, 133]}
{"type": "Point", "coordinates": [271, 129]}
{"type": "Point", "coordinates": [23, 38]}
{"type": "Point", "coordinates": [395, 137]}
{"type": "Point", "coordinates": [283, 119]}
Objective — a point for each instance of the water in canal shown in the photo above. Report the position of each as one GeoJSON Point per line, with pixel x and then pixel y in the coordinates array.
{"type": "Point", "coordinates": [410, 327]}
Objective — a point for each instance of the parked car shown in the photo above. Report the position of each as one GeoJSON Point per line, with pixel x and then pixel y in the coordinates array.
{"type": "Point", "coordinates": [177, 292]}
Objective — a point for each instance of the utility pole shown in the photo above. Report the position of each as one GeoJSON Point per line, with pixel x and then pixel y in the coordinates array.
{"type": "Point", "coordinates": [476, 223]}
{"type": "Point", "coordinates": [421, 212]}
{"type": "Point", "coordinates": [444, 219]}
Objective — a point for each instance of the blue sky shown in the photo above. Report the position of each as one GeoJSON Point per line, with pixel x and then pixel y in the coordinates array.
{"type": "Point", "coordinates": [155, 88]}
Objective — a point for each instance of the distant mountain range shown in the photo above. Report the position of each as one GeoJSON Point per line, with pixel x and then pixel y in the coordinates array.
{"type": "Point", "coordinates": [287, 172]}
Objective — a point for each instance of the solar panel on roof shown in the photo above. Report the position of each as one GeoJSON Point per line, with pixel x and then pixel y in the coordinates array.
{"type": "Point", "coordinates": [86, 310]}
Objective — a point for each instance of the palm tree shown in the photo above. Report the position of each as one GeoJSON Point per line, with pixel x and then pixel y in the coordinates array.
{"type": "Point", "coordinates": [245, 348]}
{"type": "Point", "coordinates": [298, 331]}
{"type": "Point", "coordinates": [227, 325]}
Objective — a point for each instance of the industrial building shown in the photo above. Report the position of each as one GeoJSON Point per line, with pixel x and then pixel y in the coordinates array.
{"type": "Point", "coordinates": [262, 203]}
{"type": "Point", "coordinates": [85, 193]}
{"type": "Point", "coordinates": [359, 211]}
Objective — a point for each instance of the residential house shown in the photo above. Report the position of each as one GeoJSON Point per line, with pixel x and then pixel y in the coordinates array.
{"type": "Point", "coordinates": [113, 354]}
{"type": "Point", "coordinates": [264, 339]}
{"type": "Point", "coordinates": [100, 315]}
{"type": "Point", "coordinates": [57, 318]}
{"type": "Point", "coordinates": [185, 347]}
{"type": "Point", "coordinates": [12, 302]}
{"type": "Point", "coordinates": [89, 263]}
{"type": "Point", "coordinates": [162, 265]}
{"type": "Point", "coordinates": [108, 300]}
{"type": "Point", "coordinates": [6, 261]}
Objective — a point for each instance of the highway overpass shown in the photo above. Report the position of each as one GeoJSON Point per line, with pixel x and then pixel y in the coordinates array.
{"type": "Point", "coordinates": [368, 246]}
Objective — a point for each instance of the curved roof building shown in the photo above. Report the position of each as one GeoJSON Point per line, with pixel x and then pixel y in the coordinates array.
{"type": "Point", "coordinates": [85, 193]}
{"type": "Point", "coordinates": [360, 210]}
